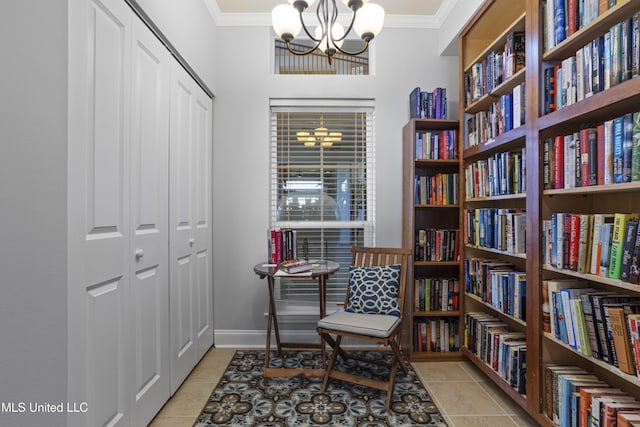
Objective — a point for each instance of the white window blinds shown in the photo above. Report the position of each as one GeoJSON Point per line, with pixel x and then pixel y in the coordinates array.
{"type": "Point", "coordinates": [322, 186]}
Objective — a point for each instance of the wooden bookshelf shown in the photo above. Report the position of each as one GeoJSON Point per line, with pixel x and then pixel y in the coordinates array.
{"type": "Point", "coordinates": [485, 32]}
{"type": "Point", "coordinates": [420, 215]}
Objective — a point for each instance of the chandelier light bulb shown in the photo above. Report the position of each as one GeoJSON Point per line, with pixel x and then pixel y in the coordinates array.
{"type": "Point", "coordinates": [369, 21]}
{"type": "Point", "coordinates": [308, 2]}
{"type": "Point", "coordinates": [286, 21]}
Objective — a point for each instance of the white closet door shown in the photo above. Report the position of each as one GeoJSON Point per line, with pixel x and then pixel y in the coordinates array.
{"type": "Point", "coordinates": [99, 228]}
{"type": "Point", "coordinates": [190, 224]}
{"type": "Point", "coordinates": [149, 254]}
{"type": "Point", "coordinates": [203, 116]}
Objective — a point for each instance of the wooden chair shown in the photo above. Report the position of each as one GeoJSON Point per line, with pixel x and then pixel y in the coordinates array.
{"type": "Point", "coordinates": [366, 324]}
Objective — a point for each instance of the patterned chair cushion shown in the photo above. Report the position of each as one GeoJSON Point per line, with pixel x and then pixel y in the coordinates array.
{"type": "Point", "coordinates": [374, 290]}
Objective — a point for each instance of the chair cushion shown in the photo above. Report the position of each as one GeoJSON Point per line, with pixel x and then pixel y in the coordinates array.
{"type": "Point", "coordinates": [374, 290]}
{"type": "Point", "coordinates": [375, 325]}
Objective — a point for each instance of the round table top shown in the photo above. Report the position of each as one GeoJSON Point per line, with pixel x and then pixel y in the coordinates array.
{"type": "Point", "coordinates": [320, 268]}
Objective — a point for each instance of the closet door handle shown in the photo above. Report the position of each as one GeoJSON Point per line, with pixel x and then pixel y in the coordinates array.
{"type": "Point", "coordinates": [192, 241]}
{"type": "Point", "coordinates": [139, 254]}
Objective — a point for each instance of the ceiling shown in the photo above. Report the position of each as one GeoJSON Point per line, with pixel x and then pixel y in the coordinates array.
{"type": "Point", "coordinates": [391, 7]}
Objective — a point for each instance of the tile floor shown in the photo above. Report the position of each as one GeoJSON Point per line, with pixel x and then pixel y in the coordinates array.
{"type": "Point", "coordinates": [462, 393]}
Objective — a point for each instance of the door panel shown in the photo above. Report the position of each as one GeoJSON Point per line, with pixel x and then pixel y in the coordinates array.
{"type": "Point", "coordinates": [183, 354]}
{"type": "Point", "coordinates": [149, 253]}
{"type": "Point", "coordinates": [99, 276]}
{"type": "Point", "coordinates": [190, 213]}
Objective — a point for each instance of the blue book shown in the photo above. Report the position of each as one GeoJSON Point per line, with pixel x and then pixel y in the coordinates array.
{"type": "Point", "coordinates": [561, 330]}
{"type": "Point", "coordinates": [414, 104]}
{"type": "Point", "coordinates": [559, 22]}
{"type": "Point", "coordinates": [618, 148]}
{"type": "Point", "coordinates": [627, 136]}
{"type": "Point", "coordinates": [508, 112]}
{"type": "Point", "coordinates": [597, 64]}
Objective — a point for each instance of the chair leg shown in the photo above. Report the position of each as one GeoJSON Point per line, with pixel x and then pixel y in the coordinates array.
{"type": "Point", "coordinates": [398, 355]}
{"type": "Point", "coordinates": [332, 362]}
{"type": "Point", "coordinates": [392, 383]}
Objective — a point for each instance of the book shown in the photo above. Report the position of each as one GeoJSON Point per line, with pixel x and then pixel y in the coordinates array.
{"type": "Point", "coordinates": [628, 419]}
{"type": "Point", "coordinates": [295, 266]}
{"type": "Point", "coordinates": [553, 287]}
{"type": "Point", "coordinates": [583, 344]}
{"type": "Point", "coordinates": [551, 373]}
{"type": "Point", "coordinates": [567, 295]}
{"type": "Point", "coordinates": [596, 249]}
{"type": "Point", "coordinates": [633, 321]}
{"type": "Point", "coordinates": [635, 148]}
{"type": "Point", "coordinates": [610, 411]}
{"type": "Point", "coordinates": [621, 340]}
{"type": "Point", "coordinates": [628, 249]}
{"type": "Point", "coordinates": [597, 405]}
{"type": "Point", "coordinates": [606, 231]}
{"type": "Point", "coordinates": [586, 394]}
{"type": "Point", "coordinates": [617, 243]}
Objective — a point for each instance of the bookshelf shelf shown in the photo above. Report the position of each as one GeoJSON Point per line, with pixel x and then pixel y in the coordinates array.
{"type": "Point", "coordinates": [593, 278]}
{"type": "Point", "coordinates": [503, 88]}
{"type": "Point", "coordinates": [516, 25]}
{"type": "Point", "coordinates": [519, 196]}
{"type": "Point", "coordinates": [453, 313]}
{"type": "Point", "coordinates": [495, 251]}
{"type": "Point", "coordinates": [437, 206]}
{"type": "Point", "coordinates": [631, 379]}
{"type": "Point", "coordinates": [621, 11]}
{"type": "Point", "coordinates": [500, 313]}
{"type": "Point", "coordinates": [423, 216]}
{"type": "Point", "coordinates": [624, 187]}
{"type": "Point", "coordinates": [504, 142]}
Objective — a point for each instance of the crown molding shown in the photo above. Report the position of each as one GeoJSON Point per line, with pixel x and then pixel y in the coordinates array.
{"type": "Point", "coordinates": [390, 21]}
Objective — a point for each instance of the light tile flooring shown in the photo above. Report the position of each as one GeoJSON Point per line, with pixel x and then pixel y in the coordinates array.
{"type": "Point", "coordinates": [462, 393]}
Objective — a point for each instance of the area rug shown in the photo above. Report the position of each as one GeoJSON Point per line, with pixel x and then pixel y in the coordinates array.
{"type": "Point", "coordinates": [242, 399]}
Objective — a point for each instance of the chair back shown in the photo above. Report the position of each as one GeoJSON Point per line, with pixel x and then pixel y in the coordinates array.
{"type": "Point", "coordinates": [375, 257]}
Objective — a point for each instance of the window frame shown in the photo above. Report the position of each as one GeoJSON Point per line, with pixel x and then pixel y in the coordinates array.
{"type": "Point", "coordinates": [336, 286]}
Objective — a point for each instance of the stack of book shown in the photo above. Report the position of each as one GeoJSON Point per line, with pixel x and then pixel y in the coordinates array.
{"type": "Point", "coordinates": [428, 105]}
{"type": "Point", "coordinates": [294, 266]}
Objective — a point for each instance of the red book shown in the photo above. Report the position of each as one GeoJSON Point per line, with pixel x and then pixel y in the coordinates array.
{"type": "Point", "coordinates": [574, 241]}
{"type": "Point", "coordinates": [558, 162]}
{"type": "Point", "coordinates": [611, 409]}
{"type": "Point", "coordinates": [272, 237]}
{"type": "Point", "coordinates": [571, 17]}
{"type": "Point", "coordinates": [600, 154]}
{"type": "Point", "coordinates": [584, 157]}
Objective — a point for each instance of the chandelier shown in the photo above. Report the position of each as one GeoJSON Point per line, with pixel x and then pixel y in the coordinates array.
{"type": "Point", "coordinates": [366, 19]}
{"type": "Point", "coordinates": [320, 135]}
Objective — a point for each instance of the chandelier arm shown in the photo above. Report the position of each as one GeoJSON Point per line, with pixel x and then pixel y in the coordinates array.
{"type": "Point", "coordinates": [346, 52]}
{"type": "Point", "coordinates": [299, 53]}
{"type": "Point", "coordinates": [306, 30]}
{"type": "Point", "coordinates": [348, 30]}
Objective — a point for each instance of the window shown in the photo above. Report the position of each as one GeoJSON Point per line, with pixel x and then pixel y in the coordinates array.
{"type": "Point", "coordinates": [316, 62]}
{"type": "Point", "coordinates": [322, 185]}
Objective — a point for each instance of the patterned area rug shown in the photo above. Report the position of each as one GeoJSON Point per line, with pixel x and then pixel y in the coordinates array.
{"type": "Point", "coordinates": [242, 399]}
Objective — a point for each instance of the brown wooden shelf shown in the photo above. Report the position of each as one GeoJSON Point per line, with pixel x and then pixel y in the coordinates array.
{"type": "Point", "coordinates": [505, 142]}
{"type": "Point", "coordinates": [484, 103]}
{"type": "Point", "coordinates": [436, 162]}
{"type": "Point", "coordinates": [435, 263]}
{"type": "Point", "coordinates": [495, 310]}
{"type": "Point", "coordinates": [624, 187]}
{"type": "Point", "coordinates": [430, 206]}
{"type": "Point", "coordinates": [593, 278]}
{"type": "Point", "coordinates": [495, 251]}
{"type": "Point", "coordinates": [601, 106]}
{"type": "Point", "coordinates": [496, 198]}
{"type": "Point", "coordinates": [435, 124]}
{"type": "Point", "coordinates": [625, 9]}
{"type": "Point", "coordinates": [434, 313]}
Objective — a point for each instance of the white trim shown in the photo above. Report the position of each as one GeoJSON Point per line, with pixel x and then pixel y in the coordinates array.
{"type": "Point", "coordinates": [391, 21]}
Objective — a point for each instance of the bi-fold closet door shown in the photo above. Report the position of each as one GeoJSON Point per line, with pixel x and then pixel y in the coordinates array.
{"type": "Point", "coordinates": [139, 320]}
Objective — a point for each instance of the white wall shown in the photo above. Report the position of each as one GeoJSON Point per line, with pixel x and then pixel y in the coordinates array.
{"type": "Point", "coordinates": [189, 27]}
{"type": "Point", "coordinates": [33, 203]}
{"type": "Point", "coordinates": [33, 189]}
{"type": "Point", "coordinates": [241, 149]}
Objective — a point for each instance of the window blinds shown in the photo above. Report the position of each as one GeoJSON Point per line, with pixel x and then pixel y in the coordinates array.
{"type": "Point", "coordinates": [322, 188]}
